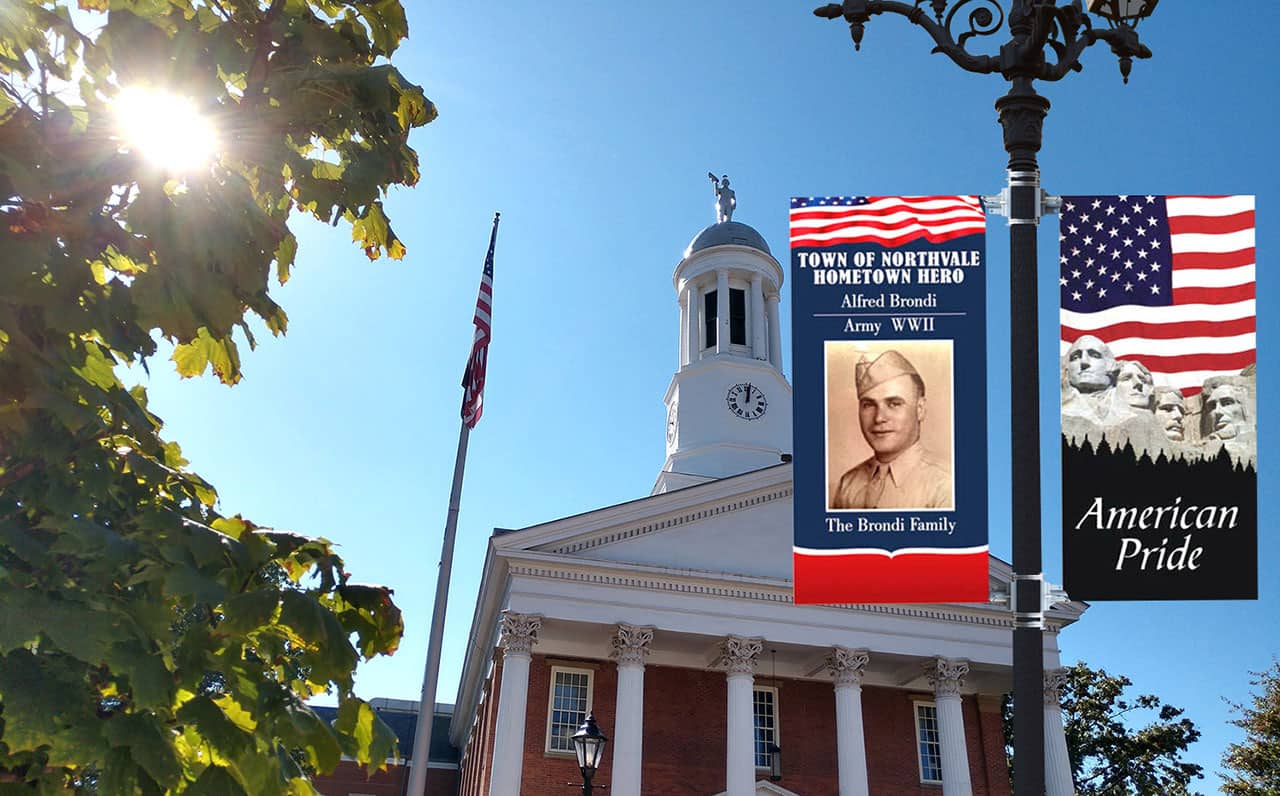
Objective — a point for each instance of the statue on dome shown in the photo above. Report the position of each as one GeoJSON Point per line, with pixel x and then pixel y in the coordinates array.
{"type": "Point", "coordinates": [725, 199]}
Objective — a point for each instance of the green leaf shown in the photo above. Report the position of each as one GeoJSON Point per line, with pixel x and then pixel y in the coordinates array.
{"type": "Point", "coordinates": [150, 681]}
{"type": "Point", "coordinates": [227, 739]}
{"type": "Point", "coordinates": [215, 781]}
{"type": "Point", "coordinates": [313, 734]}
{"type": "Point", "coordinates": [192, 358]}
{"type": "Point", "coordinates": [368, 738]}
{"type": "Point", "coordinates": [98, 369]}
{"type": "Point", "coordinates": [149, 744]}
{"type": "Point", "coordinates": [286, 252]}
{"type": "Point", "coordinates": [245, 613]}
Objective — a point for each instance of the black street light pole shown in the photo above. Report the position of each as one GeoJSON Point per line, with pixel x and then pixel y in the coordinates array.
{"type": "Point", "coordinates": [1035, 26]}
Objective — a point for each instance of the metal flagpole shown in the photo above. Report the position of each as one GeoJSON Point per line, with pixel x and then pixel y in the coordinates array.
{"type": "Point", "coordinates": [426, 708]}
{"type": "Point", "coordinates": [472, 406]}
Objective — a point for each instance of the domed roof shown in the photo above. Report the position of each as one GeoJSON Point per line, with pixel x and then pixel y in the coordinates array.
{"type": "Point", "coordinates": [727, 232]}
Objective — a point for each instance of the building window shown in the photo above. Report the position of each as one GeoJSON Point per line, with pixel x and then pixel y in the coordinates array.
{"type": "Point", "coordinates": [709, 318]}
{"type": "Point", "coordinates": [737, 316]}
{"type": "Point", "coordinates": [764, 711]}
{"type": "Point", "coordinates": [570, 703]}
{"type": "Point", "coordinates": [927, 742]}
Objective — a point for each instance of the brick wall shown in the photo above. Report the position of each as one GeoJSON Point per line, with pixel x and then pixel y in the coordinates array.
{"type": "Point", "coordinates": [350, 778]}
{"type": "Point", "coordinates": [684, 731]}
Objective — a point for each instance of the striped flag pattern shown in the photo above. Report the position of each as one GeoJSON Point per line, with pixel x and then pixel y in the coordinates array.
{"type": "Point", "coordinates": [1165, 280]}
{"type": "Point", "coordinates": [473, 376]}
{"type": "Point", "coordinates": [885, 220]}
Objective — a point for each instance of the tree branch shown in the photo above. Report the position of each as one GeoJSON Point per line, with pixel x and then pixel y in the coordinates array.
{"type": "Point", "coordinates": [256, 78]}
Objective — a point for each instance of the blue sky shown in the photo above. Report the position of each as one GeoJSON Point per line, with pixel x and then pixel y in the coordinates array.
{"type": "Point", "coordinates": [592, 130]}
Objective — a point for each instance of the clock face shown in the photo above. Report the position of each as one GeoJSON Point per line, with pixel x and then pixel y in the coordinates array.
{"type": "Point", "coordinates": [671, 423]}
{"type": "Point", "coordinates": [746, 401]}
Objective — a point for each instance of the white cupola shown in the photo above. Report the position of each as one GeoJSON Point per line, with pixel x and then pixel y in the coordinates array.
{"type": "Point", "coordinates": [728, 405]}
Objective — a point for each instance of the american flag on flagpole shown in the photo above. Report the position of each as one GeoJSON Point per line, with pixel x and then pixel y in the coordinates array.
{"type": "Point", "coordinates": [886, 220]}
{"type": "Point", "coordinates": [473, 376]}
{"type": "Point", "coordinates": [1164, 280]}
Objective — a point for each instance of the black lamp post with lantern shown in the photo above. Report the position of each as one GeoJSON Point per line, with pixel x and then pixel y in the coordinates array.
{"type": "Point", "coordinates": [1045, 43]}
{"type": "Point", "coordinates": [588, 743]}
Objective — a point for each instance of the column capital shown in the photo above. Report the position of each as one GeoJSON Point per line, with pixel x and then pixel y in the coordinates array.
{"type": "Point", "coordinates": [847, 666]}
{"type": "Point", "coordinates": [946, 675]}
{"type": "Point", "coordinates": [518, 632]}
{"type": "Point", "coordinates": [1054, 681]}
{"type": "Point", "coordinates": [630, 644]}
{"type": "Point", "coordinates": [738, 654]}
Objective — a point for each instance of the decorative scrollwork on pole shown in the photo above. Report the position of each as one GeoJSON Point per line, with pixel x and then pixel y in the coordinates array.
{"type": "Point", "coordinates": [985, 20]}
{"type": "Point", "coordinates": [1066, 30]}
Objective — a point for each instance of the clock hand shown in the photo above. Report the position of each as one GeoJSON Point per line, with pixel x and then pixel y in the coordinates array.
{"type": "Point", "coordinates": [748, 392]}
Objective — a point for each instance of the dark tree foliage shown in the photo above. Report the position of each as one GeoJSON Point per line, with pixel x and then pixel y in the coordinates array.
{"type": "Point", "coordinates": [1111, 755]}
{"type": "Point", "coordinates": [1254, 763]}
{"type": "Point", "coordinates": [151, 642]}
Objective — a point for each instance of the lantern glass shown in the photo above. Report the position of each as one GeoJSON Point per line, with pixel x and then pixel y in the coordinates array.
{"type": "Point", "coordinates": [775, 762]}
{"type": "Point", "coordinates": [1125, 12]}
{"type": "Point", "coordinates": [588, 743]}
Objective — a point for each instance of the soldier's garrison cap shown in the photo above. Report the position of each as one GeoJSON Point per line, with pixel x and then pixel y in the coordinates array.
{"type": "Point", "coordinates": [889, 365]}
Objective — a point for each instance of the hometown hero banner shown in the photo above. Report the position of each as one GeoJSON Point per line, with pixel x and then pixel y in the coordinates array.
{"type": "Point", "coordinates": [889, 358]}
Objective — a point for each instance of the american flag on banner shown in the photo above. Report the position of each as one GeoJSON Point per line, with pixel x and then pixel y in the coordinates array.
{"type": "Point", "coordinates": [473, 376]}
{"type": "Point", "coordinates": [886, 220]}
{"type": "Point", "coordinates": [1164, 280]}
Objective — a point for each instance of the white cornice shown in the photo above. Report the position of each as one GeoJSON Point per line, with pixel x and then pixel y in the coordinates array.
{"type": "Point", "coordinates": [643, 510]}
{"type": "Point", "coordinates": [587, 541]}
{"type": "Point", "coordinates": [731, 586]}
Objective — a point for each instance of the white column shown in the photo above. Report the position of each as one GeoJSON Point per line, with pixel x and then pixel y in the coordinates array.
{"type": "Point", "coordinates": [722, 312]}
{"type": "Point", "coordinates": [684, 328]}
{"type": "Point", "coordinates": [518, 634]}
{"type": "Point", "coordinates": [946, 675]}
{"type": "Point", "coordinates": [1057, 763]}
{"type": "Point", "coordinates": [757, 318]}
{"type": "Point", "coordinates": [630, 645]}
{"type": "Point", "coordinates": [775, 332]}
{"type": "Point", "coordinates": [847, 667]}
{"type": "Point", "coordinates": [693, 333]}
{"type": "Point", "coordinates": [738, 655]}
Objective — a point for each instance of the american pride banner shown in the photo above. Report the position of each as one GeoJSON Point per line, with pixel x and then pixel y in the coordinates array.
{"type": "Point", "coordinates": [1159, 398]}
{"type": "Point", "coordinates": [889, 375]}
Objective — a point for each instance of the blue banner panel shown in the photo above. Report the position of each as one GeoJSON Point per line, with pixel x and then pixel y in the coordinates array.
{"type": "Point", "coordinates": [890, 376]}
{"type": "Point", "coordinates": [1159, 398]}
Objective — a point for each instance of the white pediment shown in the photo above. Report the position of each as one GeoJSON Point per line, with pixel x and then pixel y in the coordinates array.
{"type": "Point", "coordinates": [766, 788]}
{"type": "Point", "coordinates": [737, 526]}
{"type": "Point", "coordinates": [734, 526]}
{"type": "Point", "coordinates": [739, 535]}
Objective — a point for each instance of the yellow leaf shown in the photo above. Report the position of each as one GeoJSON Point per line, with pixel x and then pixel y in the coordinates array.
{"type": "Point", "coordinates": [238, 715]}
{"type": "Point", "coordinates": [396, 250]}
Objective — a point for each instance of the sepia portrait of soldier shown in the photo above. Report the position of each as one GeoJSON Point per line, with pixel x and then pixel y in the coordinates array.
{"type": "Point", "coordinates": [1171, 409]}
{"type": "Point", "coordinates": [1134, 386]}
{"type": "Point", "coordinates": [891, 403]}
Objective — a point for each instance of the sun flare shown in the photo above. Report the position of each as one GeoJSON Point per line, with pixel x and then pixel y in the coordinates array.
{"type": "Point", "coordinates": [166, 129]}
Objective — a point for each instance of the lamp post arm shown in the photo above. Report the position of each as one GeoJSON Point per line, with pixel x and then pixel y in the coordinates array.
{"type": "Point", "coordinates": [984, 20]}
